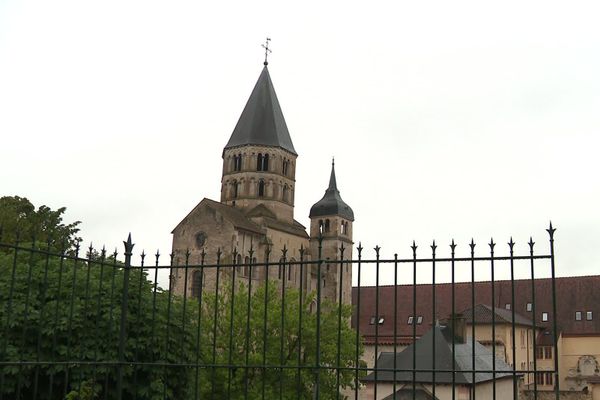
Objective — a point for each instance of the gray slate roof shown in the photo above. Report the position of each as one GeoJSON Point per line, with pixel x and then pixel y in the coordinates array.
{"type": "Point", "coordinates": [332, 203]}
{"type": "Point", "coordinates": [262, 122]}
{"type": "Point", "coordinates": [461, 361]}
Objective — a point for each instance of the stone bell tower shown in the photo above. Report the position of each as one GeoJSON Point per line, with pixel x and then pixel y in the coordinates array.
{"type": "Point", "coordinates": [331, 218]}
{"type": "Point", "coordinates": [259, 161]}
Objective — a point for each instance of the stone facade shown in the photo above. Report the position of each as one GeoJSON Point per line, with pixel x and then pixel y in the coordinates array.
{"type": "Point", "coordinates": [253, 225]}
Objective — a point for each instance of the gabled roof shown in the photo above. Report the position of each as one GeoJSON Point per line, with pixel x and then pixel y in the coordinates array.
{"type": "Point", "coordinates": [461, 361]}
{"type": "Point", "coordinates": [232, 214]}
{"type": "Point", "coordinates": [262, 122]}
{"type": "Point", "coordinates": [332, 203]}
{"type": "Point", "coordinates": [483, 315]}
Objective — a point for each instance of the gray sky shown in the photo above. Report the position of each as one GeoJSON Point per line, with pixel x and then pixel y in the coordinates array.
{"type": "Point", "coordinates": [446, 119]}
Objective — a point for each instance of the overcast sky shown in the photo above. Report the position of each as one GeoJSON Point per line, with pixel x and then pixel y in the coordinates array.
{"type": "Point", "coordinates": [446, 119]}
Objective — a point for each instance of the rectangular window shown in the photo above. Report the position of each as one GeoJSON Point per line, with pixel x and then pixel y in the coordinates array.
{"type": "Point", "coordinates": [539, 378]}
{"type": "Point", "coordinates": [548, 378]}
{"type": "Point", "coordinates": [419, 320]}
{"type": "Point", "coordinates": [588, 315]}
{"type": "Point", "coordinates": [577, 315]}
{"type": "Point", "coordinates": [544, 317]}
{"type": "Point", "coordinates": [372, 320]}
{"type": "Point", "coordinates": [507, 306]}
{"type": "Point", "coordinates": [529, 307]}
{"type": "Point", "coordinates": [548, 353]}
{"type": "Point", "coordinates": [410, 320]}
{"type": "Point", "coordinates": [381, 320]}
{"type": "Point", "coordinates": [539, 352]}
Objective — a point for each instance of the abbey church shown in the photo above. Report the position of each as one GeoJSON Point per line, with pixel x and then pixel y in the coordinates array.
{"type": "Point", "coordinates": [253, 223]}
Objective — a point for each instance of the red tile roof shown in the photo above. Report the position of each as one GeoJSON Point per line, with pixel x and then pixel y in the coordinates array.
{"type": "Point", "coordinates": [580, 293]}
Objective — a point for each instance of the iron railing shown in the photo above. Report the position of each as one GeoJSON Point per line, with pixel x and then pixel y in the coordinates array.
{"type": "Point", "coordinates": [86, 327]}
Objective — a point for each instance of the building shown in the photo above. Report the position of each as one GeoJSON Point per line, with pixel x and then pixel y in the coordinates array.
{"type": "Point", "coordinates": [442, 351]}
{"type": "Point", "coordinates": [577, 322]}
{"type": "Point", "coordinates": [253, 223]}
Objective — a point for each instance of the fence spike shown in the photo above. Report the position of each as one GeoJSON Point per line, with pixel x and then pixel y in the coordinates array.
{"type": "Point", "coordinates": [128, 245]}
{"type": "Point", "coordinates": [453, 246]}
{"type": "Point", "coordinates": [433, 247]}
{"type": "Point", "coordinates": [511, 244]}
{"type": "Point", "coordinates": [531, 243]}
{"type": "Point", "coordinates": [492, 244]}
{"type": "Point", "coordinates": [551, 231]}
{"type": "Point", "coordinates": [414, 248]}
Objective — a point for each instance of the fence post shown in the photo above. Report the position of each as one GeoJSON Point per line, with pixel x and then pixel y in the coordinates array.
{"type": "Point", "coordinates": [123, 332]}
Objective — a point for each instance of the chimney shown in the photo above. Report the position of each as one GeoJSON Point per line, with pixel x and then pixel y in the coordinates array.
{"type": "Point", "coordinates": [460, 328]}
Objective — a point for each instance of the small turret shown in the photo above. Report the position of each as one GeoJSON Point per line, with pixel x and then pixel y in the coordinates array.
{"type": "Point", "coordinates": [331, 219]}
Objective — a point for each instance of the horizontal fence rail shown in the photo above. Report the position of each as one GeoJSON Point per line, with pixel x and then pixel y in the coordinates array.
{"type": "Point", "coordinates": [88, 324]}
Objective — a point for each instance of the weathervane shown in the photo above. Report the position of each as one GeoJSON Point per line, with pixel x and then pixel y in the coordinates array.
{"type": "Point", "coordinates": [267, 50]}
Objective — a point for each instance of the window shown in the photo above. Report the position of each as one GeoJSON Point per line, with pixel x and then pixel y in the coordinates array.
{"type": "Point", "coordinates": [548, 352]}
{"type": "Point", "coordinates": [259, 162]}
{"type": "Point", "coordinates": [320, 226]}
{"type": "Point", "coordinates": [539, 352]}
{"type": "Point", "coordinates": [196, 284]}
{"type": "Point", "coordinates": [507, 306]}
{"type": "Point", "coordinates": [381, 320]}
{"type": "Point", "coordinates": [529, 307]}
{"type": "Point", "coordinates": [235, 189]}
{"type": "Point", "coordinates": [539, 378]}
{"type": "Point", "coordinates": [281, 271]}
{"type": "Point", "coordinates": [419, 320]}
{"type": "Point", "coordinates": [261, 188]}
{"type": "Point", "coordinates": [522, 338]}
{"type": "Point", "coordinates": [588, 315]}
{"type": "Point", "coordinates": [545, 317]}
{"type": "Point", "coordinates": [548, 376]}
{"type": "Point", "coordinates": [286, 164]}
{"type": "Point", "coordinates": [237, 162]}
{"type": "Point", "coordinates": [577, 315]}
{"type": "Point", "coordinates": [372, 320]}
{"type": "Point", "coordinates": [289, 272]}
{"type": "Point", "coordinates": [266, 162]}
{"type": "Point", "coordinates": [410, 320]}
{"type": "Point", "coordinates": [326, 225]}
{"type": "Point", "coordinates": [284, 196]}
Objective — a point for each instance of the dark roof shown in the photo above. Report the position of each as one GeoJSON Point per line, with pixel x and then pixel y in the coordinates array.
{"type": "Point", "coordinates": [483, 315]}
{"type": "Point", "coordinates": [461, 361]}
{"type": "Point", "coordinates": [262, 122]}
{"type": "Point", "coordinates": [406, 393]}
{"type": "Point", "coordinates": [332, 203]}
{"type": "Point", "coordinates": [578, 293]}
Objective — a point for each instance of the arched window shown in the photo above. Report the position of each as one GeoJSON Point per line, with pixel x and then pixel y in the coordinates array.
{"type": "Point", "coordinates": [261, 188]}
{"type": "Point", "coordinates": [237, 162]}
{"type": "Point", "coordinates": [286, 164]}
{"type": "Point", "coordinates": [342, 228]}
{"type": "Point", "coordinates": [346, 228]}
{"type": "Point", "coordinates": [196, 284]}
{"type": "Point", "coordinates": [291, 270]}
{"type": "Point", "coordinates": [246, 269]}
{"type": "Point", "coordinates": [284, 196]}
{"type": "Point", "coordinates": [259, 162]}
{"type": "Point", "coordinates": [320, 226]}
{"type": "Point", "coordinates": [326, 225]}
{"type": "Point", "coordinates": [235, 189]}
{"type": "Point", "coordinates": [266, 162]}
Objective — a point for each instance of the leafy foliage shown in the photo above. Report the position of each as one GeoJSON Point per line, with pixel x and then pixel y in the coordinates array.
{"type": "Point", "coordinates": [18, 217]}
{"type": "Point", "coordinates": [273, 338]}
{"type": "Point", "coordinates": [67, 312]}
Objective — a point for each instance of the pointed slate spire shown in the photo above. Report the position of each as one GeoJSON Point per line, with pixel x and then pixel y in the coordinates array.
{"type": "Point", "coordinates": [262, 122]}
{"type": "Point", "coordinates": [332, 181]}
{"type": "Point", "coordinates": [332, 203]}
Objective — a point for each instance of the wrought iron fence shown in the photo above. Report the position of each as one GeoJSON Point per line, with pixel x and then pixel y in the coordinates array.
{"type": "Point", "coordinates": [91, 326]}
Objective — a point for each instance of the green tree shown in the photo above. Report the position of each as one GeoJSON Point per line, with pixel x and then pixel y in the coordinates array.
{"type": "Point", "coordinates": [249, 342]}
{"type": "Point", "coordinates": [18, 216]}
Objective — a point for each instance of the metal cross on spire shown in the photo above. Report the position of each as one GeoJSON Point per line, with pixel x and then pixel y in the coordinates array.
{"type": "Point", "coordinates": [267, 50]}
